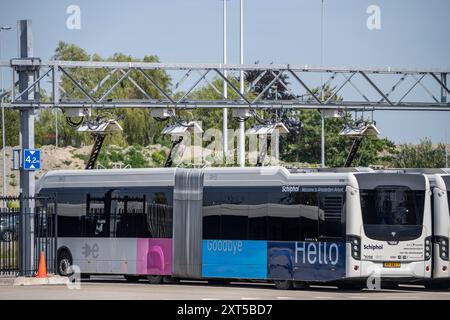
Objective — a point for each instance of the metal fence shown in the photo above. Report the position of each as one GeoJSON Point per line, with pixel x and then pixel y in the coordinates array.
{"type": "Point", "coordinates": [15, 222]}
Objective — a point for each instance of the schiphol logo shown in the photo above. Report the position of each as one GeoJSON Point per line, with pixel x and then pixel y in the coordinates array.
{"type": "Point", "coordinates": [373, 247]}
{"type": "Point", "coordinates": [316, 253]}
{"type": "Point", "coordinates": [230, 246]}
{"type": "Point", "coordinates": [290, 189]}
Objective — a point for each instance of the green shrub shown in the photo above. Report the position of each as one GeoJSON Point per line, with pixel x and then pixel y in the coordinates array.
{"type": "Point", "coordinates": [13, 205]}
{"type": "Point", "coordinates": [159, 157]}
{"type": "Point", "coordinates": [135, 158]}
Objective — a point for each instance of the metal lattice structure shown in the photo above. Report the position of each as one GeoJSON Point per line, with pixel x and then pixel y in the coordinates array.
{"type": "Point", "coordinates": [372, 88]}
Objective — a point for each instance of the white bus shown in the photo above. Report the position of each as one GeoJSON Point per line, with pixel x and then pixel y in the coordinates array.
{"type": "Point", "coordinates": [271, 224]}
{"type": "Point", "coordinates": [441, 233]}
{"type": "Point", "coordinates": [389, 226]}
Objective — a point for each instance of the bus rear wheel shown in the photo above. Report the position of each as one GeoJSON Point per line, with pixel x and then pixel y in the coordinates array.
{"type": "Point", "coordinates": [152, 279]}
{"type": "Point", "coordinates": [284, 284]}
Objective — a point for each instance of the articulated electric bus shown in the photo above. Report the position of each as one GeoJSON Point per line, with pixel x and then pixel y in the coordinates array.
{"type": "Point", "coordinates": [266, 224]}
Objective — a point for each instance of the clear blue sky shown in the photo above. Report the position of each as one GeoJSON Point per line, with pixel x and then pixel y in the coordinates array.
{"type": "Point", "coordinates": [413, 34]}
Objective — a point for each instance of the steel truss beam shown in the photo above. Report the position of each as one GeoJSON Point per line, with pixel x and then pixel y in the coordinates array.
{"type": "Point", "coordinates": [365, 82]}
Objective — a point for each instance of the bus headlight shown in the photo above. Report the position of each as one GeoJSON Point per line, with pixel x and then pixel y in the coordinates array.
{"type": "Point", "coordinates": [427, 248]}
{"type": "Point", "coordinates": [355, 244]}
{"type": "Point", "coordinates": [442, 243]}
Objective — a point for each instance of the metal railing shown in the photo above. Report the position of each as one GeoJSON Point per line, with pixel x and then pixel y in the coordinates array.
{"type": "Point", "coordinates": [14, 222]}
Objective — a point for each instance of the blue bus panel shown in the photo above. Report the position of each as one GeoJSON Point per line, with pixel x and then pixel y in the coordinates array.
{"type": "Point", "coordinates": [306, 261]}
{"type": "Point", "coordinates": [234, 259]}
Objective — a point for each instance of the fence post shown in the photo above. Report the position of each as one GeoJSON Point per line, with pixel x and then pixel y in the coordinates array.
{"type": "Point", "coordinates": [22, 237]}
{"type": "Point", "coordinates": [56, 234]}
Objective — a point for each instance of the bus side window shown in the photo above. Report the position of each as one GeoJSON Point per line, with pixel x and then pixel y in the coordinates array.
{"type": "Point", "coordinates": [95, 221]}
{"type": "Point", "coordinates": [292, 216]}
{"type": "Point", "coordinates": [331, 216]}
{"type": "Point", "coordinates": [307, 204]}
{"type": "Point", "coordinates": [158, 217]}
{"type": "Point", "coordinates": [70, 214]}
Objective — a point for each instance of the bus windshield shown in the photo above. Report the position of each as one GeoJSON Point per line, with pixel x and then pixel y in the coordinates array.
{"type": "Point", "coordinates": [389, 211]}
{"type": "Point", "coordinates": [398, 206]}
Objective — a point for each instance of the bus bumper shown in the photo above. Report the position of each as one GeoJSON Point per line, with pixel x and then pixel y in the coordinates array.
{"type": "Point", "coordinates": [365, 269]}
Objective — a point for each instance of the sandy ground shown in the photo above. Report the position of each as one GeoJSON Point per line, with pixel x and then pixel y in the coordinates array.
{"type": "Point", "coordinates": [52, 159]}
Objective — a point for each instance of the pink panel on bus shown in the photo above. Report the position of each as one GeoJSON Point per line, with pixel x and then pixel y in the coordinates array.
{"type": "Point", "coordinates": [154, 256]}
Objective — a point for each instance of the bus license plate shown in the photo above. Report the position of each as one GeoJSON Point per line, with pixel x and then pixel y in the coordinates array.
{"type": "Point", "coordinates": [391, 264]}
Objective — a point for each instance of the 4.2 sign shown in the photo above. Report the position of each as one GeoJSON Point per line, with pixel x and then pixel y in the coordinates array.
{"type": "Point", "coordinates": [31, 159]}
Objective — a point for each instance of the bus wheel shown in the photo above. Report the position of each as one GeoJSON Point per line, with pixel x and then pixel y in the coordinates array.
{"type": "Point", "coordinates": [64, 263]}
{"type": "Point", "coordinates": [154, 279]}
{"type": "Point", "coordinates": [284, 284]}
{"type": "Point", "coordinates": [131, 278]}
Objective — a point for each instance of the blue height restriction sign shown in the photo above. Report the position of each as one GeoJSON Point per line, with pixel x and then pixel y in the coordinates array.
{"type": "Point", "coordinates": [31, 159]}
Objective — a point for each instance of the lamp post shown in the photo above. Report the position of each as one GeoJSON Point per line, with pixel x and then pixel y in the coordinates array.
{"type": "Point", "coordinates": [56, 127]}
{"type": "Point", "coordinates": [446, 147]}
{"type": "Point", "coordinates": [242, 123]}
{"type": "Point", "coordinates": [225, 89]}
{"type": "Point", "coordinates": [322, 93]}
{"type": "Point", "coordinates": [4, 28]}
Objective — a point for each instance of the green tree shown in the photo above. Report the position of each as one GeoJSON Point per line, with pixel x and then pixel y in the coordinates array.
{"type": "Point", "coordinates": [11, 127]}
{"type": "Point", "coordinates": [139, 127]}
{"type": "Point", "coordinates": [423, 155]}
{"type": "Point", "coordinates": [303, 142]}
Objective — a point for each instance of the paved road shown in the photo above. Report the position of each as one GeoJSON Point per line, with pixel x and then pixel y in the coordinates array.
{"type": "Point", "coordinates": [116, 288]}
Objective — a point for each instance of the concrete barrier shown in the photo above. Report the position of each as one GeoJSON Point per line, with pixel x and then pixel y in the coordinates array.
{"type": "Point", "coordinates": [33, 281]}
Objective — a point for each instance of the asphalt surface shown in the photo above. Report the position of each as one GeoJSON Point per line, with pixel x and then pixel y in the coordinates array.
{"type": "Point", "coordinates": [117, 288]}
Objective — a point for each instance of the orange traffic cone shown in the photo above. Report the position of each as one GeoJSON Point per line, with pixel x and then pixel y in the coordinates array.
{"type": "Point", "coordinates": [42, 269]}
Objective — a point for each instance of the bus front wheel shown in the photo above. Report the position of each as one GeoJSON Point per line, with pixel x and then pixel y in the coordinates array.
{"type": "Point", "coordinates": [154, 279]}
{"type": "Point", "coordinates": [64, 263]}
{"type": "Point", "coordinates": [284, 284]}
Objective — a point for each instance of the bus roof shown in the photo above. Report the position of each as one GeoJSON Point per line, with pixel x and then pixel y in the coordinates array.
{"type": "Point", "coordinates": [223, 176]}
